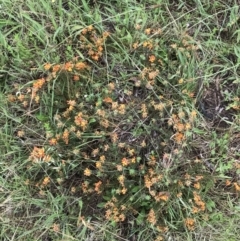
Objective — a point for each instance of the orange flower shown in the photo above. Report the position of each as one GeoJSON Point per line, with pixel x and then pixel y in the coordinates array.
{"type": "Point", "coordinates": [198, 201]}
{"type": "Point", "coordinates": [98, 42]}
{"type": "Point", "coordinates": [87, 172]}
{"type": "Point", "coordinates": [148, 183]}
{"type": "Point", "coordinates": [195, 209]}
{"type": "Point", "coordinates": [145, 43]}
{"type": "Point", "coordinates": [71, 102]}
{"type": "Point", "coordinates": [179, 194]}
{"type": "Point", "coordinates": [180, 81]}
{"type": "Point", "coordinates": [84, 31]}
{"type": "Point", "coordinates": [159, 106]}
{"type": "Point", "coordinates": [20, 133]}
{"type": "Point", "coordinates": [137, 26]}
{"type": "Point", "coordinates": [157, 31]}
{"type": "Point", "coordinates": [68, 66]}
{"type": "Point", "coordinates": [152, 217]}
{"type": "Point", "coordinates": [152, 58]}
{"type": "Point", "coordinates": [228, 183]}
{"type": "Point", "coordinates": [90, 28]}
{"type": "Point", "coordinates": [135, 45]}
{"type": "Point", "coordinates": [148, 31]}
{"type": "Point", "coordinates": [124, 190]}
{"type": "Point", "coordinates": [143, 144]}
{"type": "Point", "coordinates": [114, 137]}
{"type": "Point", "coordinates": [99, 165]}
{"type": "Point", "coordinates": [198, 178]}
{"type": "Point", "coordinates": [104, 123]}
{"type": "Point", "coordinates": [197, 185]}
{"type": "Point", "coordinates": [162, 229]}
{"type": "Point", "coordinates": [181, 114]}
{"type": "Point", "coordinates": [122, 217]}
{"type": "Point", "coordinates": [76, 78]}
{"type": "Point", "coordinates": [47, 66]}
{"type": "Point", "coordinates": [91, 52]}
{"type": "Point", "coordinates": [37, 98]}
{"type": "Point", "coordinates": [237, 165]}
{"type": "Point", "coordinates": [190, 223]}
{"type": "Point", "coordinates": [11, 98]}
{"type": "Point", "coordinates": [144, 110]}
{"type": "Point", "coordinates": [56, 68]}
{"type": "Point", "coordinates": [122, 109]}
{"type": "Point", "coordinates": [193, 114]}
{"type": "Point", "coordinates": [179, 137]}
{"type": "Point", "coordinates": [100, 49]}
{"type": "Point", "coordinates": [46, 181]}
{"type": "Point", "coordinates": [65, 136]}
{"type": "Point", "coordinates": [102, 158]}
{"type": "Point", "coordinates": [114, 105]}
{"type": "Point", "coordinates": [38, 84]}
{"type": "Point", "coordinates": [98, 186]}
{"type": "Point", "coordinates": [106, 147]}
{"type": "Point", "coordinates": [95, 152]}
{"type": "Point", "coordinates": [164, 196]}
{"type": "Point", "coordinates": [188, 126]}
{"type": "Point", "coordinates": [111, 86]}
{"type": "Point", "coordinates": [179, 127]}
{"type": "Point", "coordinates": [56, 227]}
{"type": "Point", "coordinates": [80, 66]}
{"type": "Point", "coordinates": [21, 97]}
{"type": "Point", "coordinates": [237, 187]}
{"type": "Point", "coordinates": [159, 238]}
{"type": "Point", "coordinates": [37, 153]}
{"type": "Point", "coordinates": [79, 121]}
{"type": "Point", "coordinates": [125, 162]}
{"type": "Point", "coordinates": [47, 158]}
{"type": "Point", "coordinates": [95, 57]}
{"type": "Point", "coordinates": [119, 167]}
{"type": "Point", "coordinates": [107, 100]}
{"type": "Point", "coordinates": [180, 183]}
{"type": "Point", "coordinates": [73, 189]}
{"type": "Point", "coordinates": [106, 34]}
{"type": "Point", "coordinates": [53, 141]}
{"type": "Point", "coordinates": [84, 186]}
{"type": "Point", "coordinates": [121, 179]}
{"type": "Point", "coordinates": [153, 74]}
{"type": "Point", "coordinates": [100, 112]}
{"type": "Point", "coordinates": [187, 176]}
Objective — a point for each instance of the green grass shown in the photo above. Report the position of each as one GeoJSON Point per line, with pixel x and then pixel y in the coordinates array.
{"type": "Point", "coordinates": [119, 120]}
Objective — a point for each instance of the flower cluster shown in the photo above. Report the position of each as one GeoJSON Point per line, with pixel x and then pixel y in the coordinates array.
{"type": "Point", "coordinates": [121, 139]}
{"type": "Point", "coordinates": [92, 43]}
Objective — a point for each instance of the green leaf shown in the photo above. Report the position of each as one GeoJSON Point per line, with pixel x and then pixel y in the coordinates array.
{"type": "Point", "coordinates": [92, 120]}
{"type": "Point", "coordinates": [101, 205]}
{"type": "Point", "coordinates": [41, 117]}
{"type": "Point", "coordinates": [132, 172]}
{"type": "Point", "coordinates": [198, 131]}
{"type": "Point", "coordinates": [210, 205]}
{"type": "Point", "coordinates": [107, 198]}
{"type": "Point", "coordinates": [80, 203]}
{"type": "Point", "coordinates": [147, 197]}
{"type": "Point", "coordinates": [135, 189]}
{"type": "Point", "coordinates": [141, 218]}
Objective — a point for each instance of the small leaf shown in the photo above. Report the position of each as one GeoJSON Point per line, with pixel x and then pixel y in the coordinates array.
{"type": "Point", "coordinates": [135, 189]}
{"type": "Point", "coordinates": [92, 120]}
{"type": "Point", "coordinates": [147, 197]}
{"type": "Point", "coordinates": [101, 205]}
{"type": "Point", "coordinates": [41, 117]}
